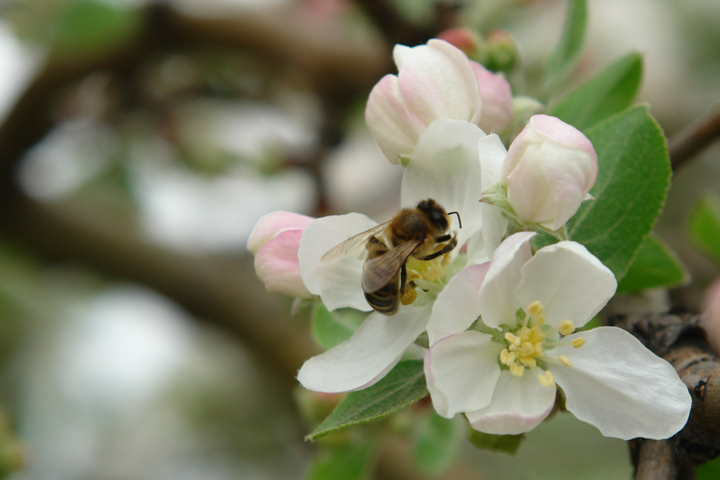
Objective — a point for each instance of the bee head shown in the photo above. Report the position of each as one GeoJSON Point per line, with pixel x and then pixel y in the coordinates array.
{"type": "Point", "coordinates": [435, 213]}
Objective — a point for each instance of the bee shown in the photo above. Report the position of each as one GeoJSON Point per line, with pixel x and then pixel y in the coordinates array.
{"type": "Point", "coordinates": [420, 232]}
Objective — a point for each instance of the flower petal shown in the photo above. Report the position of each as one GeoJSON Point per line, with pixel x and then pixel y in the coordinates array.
{"type": "Point", "coordinates": [461, 372]}
{"type": "Point", "coordinates": [395, 128]}
{"type": "Point", "coordinates": [570, 282]}
{"type": "Point", "coordinates": [518, 405]}
{"type": "Point", "coordinates": [497, 294]}
{"type": "Point", "coordinates": [276, 264]}
{"type": "Point", "coordinates": [367, 355]}
{"type": "Point", "coordinates": [458, 305]}
{"type": "Point", "coordinates": [446, 168]}
{"type": "Point", "coordinates": [274, 223]}
{"type": "Point", "coordinates": [436, 81]}
{"type": "Point", "coordinates": [622, 388]}
{"type": "Point", "coordinates": [492, 154]}
{"type": "Point", "coordinates": [337, 281]}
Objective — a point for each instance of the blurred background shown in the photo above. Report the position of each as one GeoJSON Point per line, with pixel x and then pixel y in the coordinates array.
{"type": "Point", "coordinates": [141, 141]}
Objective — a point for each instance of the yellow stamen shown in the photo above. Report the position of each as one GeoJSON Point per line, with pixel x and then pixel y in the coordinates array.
{"type": "Point", "coordinates": [578, 342]}
{"type": "Point", "coordinates": [517, 370]}
{"type": "Point", "coordinates": [540, 319]}
{"type": "Point", "coordinates": [535, 308]}
{"type": "Point", "coordinates": [528, 362]}
{"type": "Point", "coordinates": [565, 360]}
{"type": "Point", "coordinates": [547, 380]}
{"type": "Point", "coordinates": [507, 358]}
{"type": "Point", "coordinates": [527, 349]}
{"type": "Point", "coordinates": [566, 327]}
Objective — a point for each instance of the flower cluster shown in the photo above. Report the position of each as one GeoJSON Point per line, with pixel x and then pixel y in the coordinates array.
{"type": "Point", "coordinates": [502, 323]}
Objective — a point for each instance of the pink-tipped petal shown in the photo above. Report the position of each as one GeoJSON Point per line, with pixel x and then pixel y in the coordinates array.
{"type": "Point", "coordinates": [276, 264]}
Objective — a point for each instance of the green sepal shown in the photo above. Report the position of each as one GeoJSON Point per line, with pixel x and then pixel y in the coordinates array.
{"type": "Point", "coordinates": [331, 328]}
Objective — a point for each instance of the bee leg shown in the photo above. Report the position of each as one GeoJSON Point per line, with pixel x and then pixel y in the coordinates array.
{"type": "Point", "coordinates": [403, 278]}
{"type": "Point", "coordinates": [447, 248]}
{"type": "Point", "coordinates": [442, 239]}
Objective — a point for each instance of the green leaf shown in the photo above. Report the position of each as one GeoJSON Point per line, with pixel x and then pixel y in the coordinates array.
{"type": "Point", "coordinates": [633, 179]}
{"type": "Point", "coordinates": [568, 48]}
{"type": "Point", "coordinates": [495, 443]}
{"type": "Point", "coordinates": [704, 227]}
{"type": "Point", "coordinates": [655, 265]}
{"type": "Point", "coordinates": [611, 92]}
{"type": "Point", "coordinates": [437, 445]}
{"type": "Point", "coordinates": [403, 386]}
{"type": "Point", "coordinates": [332, 328]}
{"type": "Point", "coordinates": [347, 462]}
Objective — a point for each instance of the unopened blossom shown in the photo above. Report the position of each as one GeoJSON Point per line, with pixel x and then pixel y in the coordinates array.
{"type": "Point", "coordinates": [549, 169]}
{"type": "Point", "coordinates": [434, 81]}
{"type": "Point", "coordinates": [446, 167]}
{"type": "Point", "coordinates": [502, 373]}
{"type": "Point", "coordinates": [275, 241]}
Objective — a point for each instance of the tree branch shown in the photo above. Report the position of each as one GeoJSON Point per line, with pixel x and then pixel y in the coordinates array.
{"type": "Point", "coordinates": [694, 138]}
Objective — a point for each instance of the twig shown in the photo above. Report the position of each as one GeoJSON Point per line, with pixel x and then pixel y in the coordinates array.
{"type": "Point", "coordinates": [694, 138]}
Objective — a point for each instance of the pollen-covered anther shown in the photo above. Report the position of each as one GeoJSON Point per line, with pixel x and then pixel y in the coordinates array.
{"type": "Point", "coordinates": [517, 370]}
{"type": "Point", "coordinates": [526, 349]}
{"type": "Point", "coordinates": [546, 380]}
{"type": "Point", "coordinates": [507, 358]}
{"type": "Point", "coordinates": [566, 327]}
{"type": "Point", "coordinates": [578, 342]}
{"type": "Point", "coordinates": [564, 360]}
{"type": "Point", "coordinates": [535, 308]}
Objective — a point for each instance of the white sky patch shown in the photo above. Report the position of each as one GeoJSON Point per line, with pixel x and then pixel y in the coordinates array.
{"type": "Point", "coordinates": [18, 64]}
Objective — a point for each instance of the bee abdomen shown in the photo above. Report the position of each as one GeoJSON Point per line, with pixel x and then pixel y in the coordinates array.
{"type": "Point", "coordinates": [386, 300]}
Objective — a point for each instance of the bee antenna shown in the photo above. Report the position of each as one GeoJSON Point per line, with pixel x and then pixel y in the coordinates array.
{"type": "Point", "coordinates": [458, 215]}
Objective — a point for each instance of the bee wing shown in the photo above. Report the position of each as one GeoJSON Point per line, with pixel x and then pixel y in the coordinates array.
{"type": "Point", "coordinates": [354, 244]}
{"type": "Point", "coordinates": [378, 271]}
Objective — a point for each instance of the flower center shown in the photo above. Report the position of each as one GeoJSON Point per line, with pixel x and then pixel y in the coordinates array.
{"type": "Point", "coordinates": [427, 278]}
{"type": "Point", "coordinates": [527, 345]}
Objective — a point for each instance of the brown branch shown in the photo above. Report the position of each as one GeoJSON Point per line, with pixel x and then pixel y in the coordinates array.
{"type": "Point", "coordinates": [680, 340]}
{"type": "Point", "coordinates": [694, 138]}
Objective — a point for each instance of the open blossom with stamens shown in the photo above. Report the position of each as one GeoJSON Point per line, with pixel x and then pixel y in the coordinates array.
{"type": "Point", "coordinates": [434, 81]}
{"type": "Point", "coordinates": [446, 166]}
{"type": "Point", "coordinates": [502, 373]}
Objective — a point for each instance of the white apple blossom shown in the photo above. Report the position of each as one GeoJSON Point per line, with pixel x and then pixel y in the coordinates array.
{"type": "Point", "coordinates": [548, 171]}
{"type": "Point", "coordinates": [447, 167]}
{"type": "Point", "coordinates": [502, 372]}
{"type": "Point", "coordinates": [434, 81]}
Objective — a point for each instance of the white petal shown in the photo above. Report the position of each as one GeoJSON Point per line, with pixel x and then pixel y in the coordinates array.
{"type": "Point", "coordinates": [395, 128]}
{"type": "Point", "coordinates": [622, 388]}
{"type": "Point", "coordinates": [461, 371]}
{"type": "Point", "coordinates": [336, 281]}
{"type": "Point", "coordinates": [437, 81]}
{"type": "Point", "coordinates": [458, 305]}
{"type": "Point", "coordinates": [368, 355]}
{"type": "Point", "coordinates": [492, 153]}
{"type": "Point", "coordinates": [518, 405]}
{"type": "Point", "coordinates": [446, 168]}
{"type": "Point", "coordinates": [570, 282]}
{"type": "Point", "coordinates": [497, 294]}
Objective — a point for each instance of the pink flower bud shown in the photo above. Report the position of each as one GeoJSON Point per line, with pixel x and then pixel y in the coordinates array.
{"type": "Point", "coordinates": [275, 241]}
{"type": "Point", "coordinates": [548, 171]}
{"type": "Point", "coordinates": [496, 98]}
{"type": "Point", "coordinates": [433, 81]}
{"type": "Point", "coordinates": [463, 38]}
